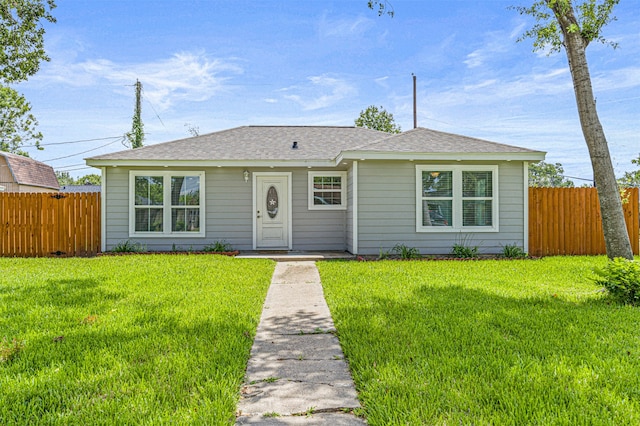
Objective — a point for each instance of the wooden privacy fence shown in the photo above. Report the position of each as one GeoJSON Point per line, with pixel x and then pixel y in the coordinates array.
{"type": "Point", "coordinates": [567, 221]}
{"type": "Point", "coordinates": [49, 224]}
{"type": "Point", "coordinates": [561, 221]}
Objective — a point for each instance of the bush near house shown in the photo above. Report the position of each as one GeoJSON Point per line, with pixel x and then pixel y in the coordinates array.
{"type": "Point", "coordinates": [621, 278]}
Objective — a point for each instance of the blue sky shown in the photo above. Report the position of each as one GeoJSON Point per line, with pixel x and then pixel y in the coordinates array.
{"type": "Point", "coordinates": [214, 65]}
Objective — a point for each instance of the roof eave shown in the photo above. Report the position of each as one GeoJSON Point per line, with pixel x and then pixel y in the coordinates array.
{"type": "Point", "coordinates": [442, 156]}
{"type": "Point", "coordinates": [343, 156]}
{"type": "Point", "coordinates": [57, 188]}
{"type": "Point", "coordinates": [210, 163]}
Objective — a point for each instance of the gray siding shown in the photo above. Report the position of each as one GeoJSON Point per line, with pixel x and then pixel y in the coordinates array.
{"type": "Point", "coordinates": [227, 211]}
{"type": "Point", "coordinates": [228, 214]}
{"type": "Point", "coordinates": [315, 229]}
{"type": "Point", "coordinates": [387, 211]}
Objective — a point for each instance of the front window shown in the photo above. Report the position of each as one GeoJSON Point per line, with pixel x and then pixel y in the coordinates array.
{"type": "Point", "coordinates": [327, 190]}
{"type": "Point", "coordinates": [460, 198]}
{"type": "Point", "coordinates": [477, 198]}
{"type": "Point", "coordinates": [149, 193]}
{"type": "Point", "coordinates": [437, 198]}
{"type": "Point", "coordinates": [166, 203]}
{"type": "Point", "coordinates": [185, 203]}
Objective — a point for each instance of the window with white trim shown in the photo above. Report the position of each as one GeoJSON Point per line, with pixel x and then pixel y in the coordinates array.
{"type": "Point", "coordinates": [456, 198]}
{"type": "Point", "coordinates": [166, 203]}
{"type": "Point", "coordinates": [327, 190]}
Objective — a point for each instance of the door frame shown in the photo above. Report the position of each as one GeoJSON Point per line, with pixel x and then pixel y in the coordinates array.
{"type": "Point", "coordinates": [254, 208]}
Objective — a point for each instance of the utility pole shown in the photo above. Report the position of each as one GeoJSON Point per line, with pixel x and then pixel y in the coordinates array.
{"type": "Point", "coordinates": [415, 108]}
{"type": "Point", "coordinates": [136, 136]}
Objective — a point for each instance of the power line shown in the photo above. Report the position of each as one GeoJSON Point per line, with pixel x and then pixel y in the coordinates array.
{"type": "Point", "coordinates": [71, 165]}
{"type": "Point", "coordinates": [71, 142]}
{"type": "Point", "coordinates": [84, 152]}
{"type": "Point", "coordinates": [573, 177]}
{"type": "Point", "coordinates": [155, 112]}
{"type": "Point", "coordinates": [79, 168]}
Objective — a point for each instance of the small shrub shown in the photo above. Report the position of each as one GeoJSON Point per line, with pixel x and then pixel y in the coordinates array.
{"type": "Point", "coordinates": [9, 349]}
{"type": "Point", "coordinates": [218, 247]}
{"type": "Point", "coordinates": [129, 246]}
{"type": "Point", "coordinates": [406, 252]}
{"type": "Point", "coordinates": [513, 251]}
{"type": "Point", "coordinates": [465, 252]}
{"type": "Point", "coordinates": [384, 254]}
{"type": "Point", "coordinates": [621, 278]}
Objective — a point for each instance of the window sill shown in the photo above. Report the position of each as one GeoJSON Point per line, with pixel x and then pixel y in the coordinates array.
{"type": "Point", "coordinates": [450, 230]}
{"type": "Point", "coordinates": [166, 235]}
{"type": "Point", "coordinates": [327, 208]}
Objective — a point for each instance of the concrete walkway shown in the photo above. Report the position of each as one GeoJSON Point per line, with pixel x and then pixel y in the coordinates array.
{"type": "Point", "coordinates": [297, 374]}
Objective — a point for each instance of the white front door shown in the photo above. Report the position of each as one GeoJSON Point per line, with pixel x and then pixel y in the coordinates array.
{"type": "Point", "coordinates": [272, 221]}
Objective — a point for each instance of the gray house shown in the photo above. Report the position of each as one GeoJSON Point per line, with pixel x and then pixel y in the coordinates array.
{"type": "Point", "coordinates": [315, 188]}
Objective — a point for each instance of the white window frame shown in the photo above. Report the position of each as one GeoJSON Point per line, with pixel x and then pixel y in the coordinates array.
{"type": "Point", "coordinates": [166, 206]}
{"type": "Point", "coordinates": [456, 225]}
{"type": "Point", "coordinates": [343, 190]}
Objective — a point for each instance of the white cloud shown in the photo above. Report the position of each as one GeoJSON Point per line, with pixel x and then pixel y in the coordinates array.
{"type": "Point", "coordinates": [382, 81]}
{"type": "Point", "coordinates": [623, 78]}
{"type": "Point", "coordinates": [323, 92]}
{"type": "Point", "coordinates": [480, 85]}
{"type": "Point", "coordinates": [494, 44]}
{"type": "Point", "coordinates": [184, 76]}
{"type": "Point", "coordinates": [518, 31]}
{"type": "Point", "coordinates": [344, 28]}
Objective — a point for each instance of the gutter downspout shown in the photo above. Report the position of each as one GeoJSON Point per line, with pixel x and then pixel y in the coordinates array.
{"type": "Point", "coordinates": [525, 167]}
{"type": "Point", "coordinates": [103, 209]}
{"type": "Point", "coordinates": [355, 207]}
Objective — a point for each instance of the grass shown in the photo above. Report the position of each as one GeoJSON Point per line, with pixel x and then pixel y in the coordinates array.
{"type": "Point", "coordinates": [486, 342]}
{"type": "Point", "coordinates": [127, 339]}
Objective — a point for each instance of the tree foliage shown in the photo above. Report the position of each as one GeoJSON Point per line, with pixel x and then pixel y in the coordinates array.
{"type": "Point", "coordinates": [547, 175]}
{"type": "Point", "coordinates": [17, 124]}
{"type": "Point", "coordinates": [22, 37]}
{"type": "Point", "coordinates": [192, 129]}
{"type": "Point", "coordinates": [631, 179]}
{"type": "Point", "coordinates": [587, 18]}
{"type": "Point", "coordinates": [377, 119]}
{"type": "Point", "coordinates": [21, 52]}
{"type": "Point", "coordinates": [136, 135]}
{"type": "Point", "coordinates": [65, 178]}
{"type": "Point", "coordinates": [383, 7]}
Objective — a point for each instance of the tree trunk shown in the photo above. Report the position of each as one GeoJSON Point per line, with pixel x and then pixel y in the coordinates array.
{"type": "Point", "coordinates": [613, 225]}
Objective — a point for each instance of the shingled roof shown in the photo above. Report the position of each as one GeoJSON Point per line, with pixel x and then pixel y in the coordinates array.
{"type": "Point", "coordinates": [255, 143]}
{"type": "Point", "coordinates": [433, 141]}
{"type": "Point", "coordinates": [312, 143]}
{"type": "Point", "coordinates": [27, 171]}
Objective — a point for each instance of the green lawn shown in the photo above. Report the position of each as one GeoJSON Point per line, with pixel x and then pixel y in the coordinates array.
{"type": "Point", "coordinates": [159, 339]}
{"type": "Point", "coordinates": [486, 342]}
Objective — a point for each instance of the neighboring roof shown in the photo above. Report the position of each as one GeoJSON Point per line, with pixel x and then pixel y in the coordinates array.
{"type": "Point", "coordinates": [27, 171]}
{"type": "Point", "coordinates": [80, 188]}
{"type": "Point", "coordinates": [316, 145]}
